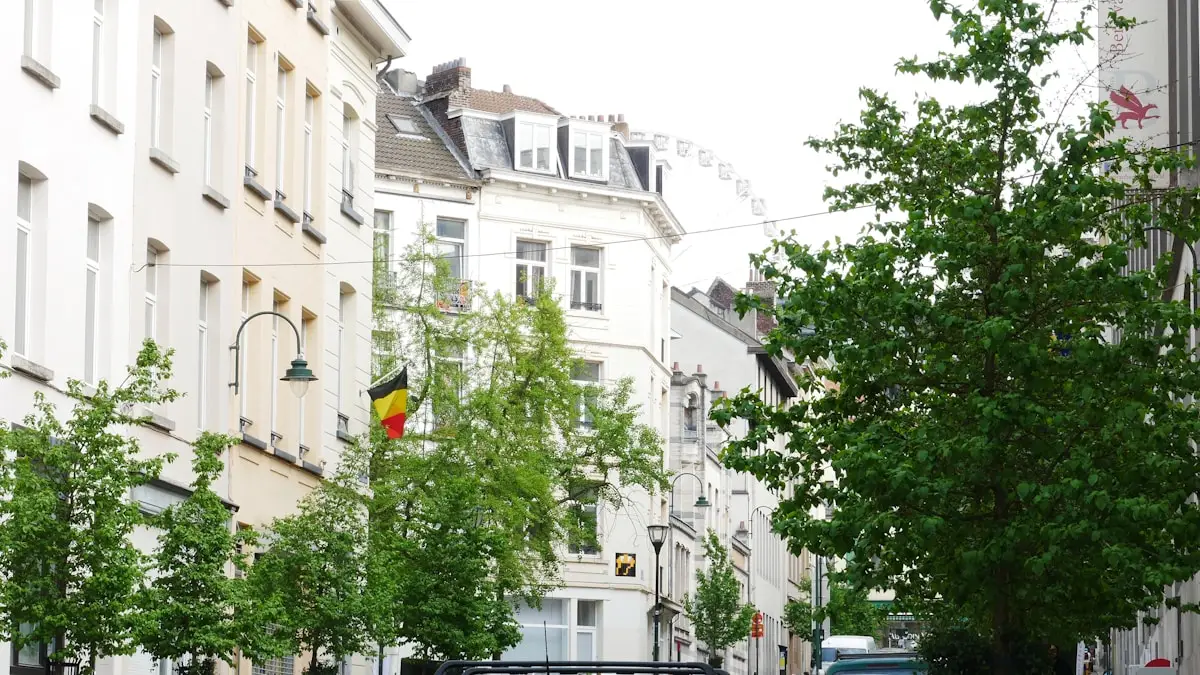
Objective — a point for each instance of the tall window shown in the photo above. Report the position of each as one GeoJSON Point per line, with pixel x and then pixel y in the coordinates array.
{"type": "Point", "coordinates": [156, 89]}
{"type": "Point", "coordinates": [383, 236]}
{"type": "Point", "coordinates": [202, 358]}
{"type": "Point", "coordinates": [97, 50]}
{"type": "Point", "coordinates": [274, 371]}
{"type": "Point", "coordinates": [533, 146]}
{"type": "Point", "coordinates": [586, 621]}
{"type": "Point", "coordinates": [585, 278]}
{"type": "Point", "coordinates": [305, 327]}
{"type": "Point", "coordinates": [584, 539]}
{"type": "Point", "coordinates": [531, 267]}
{"type": "Point", "coordinates": [91, 300]}
{"type": "Point", "coordinates": [37, 30]}
{"type": "Point", "coordinates": [281, 86]}
{"type": "Point", "coordinates": [586, 374]}
{"type": "Point", "coordinates": [310, 111]}
{"type": "Point", "coordinates": [452, 244]}
{"type": "Point", "coordinates": [23, 281]}
{"type": "Point", "coordinates": [208, 127]}
{"type": "Point", "coordinates": [348, 131]}
{"type": "Point", "coordinates": [252, 48]}
{"type": "Point", "coordinates": [151, 295]}
{"type": "Point", "coordinates": [244, 394]}
{"type": "Point", "coordinates": [588, 154]}
{"type": "Point", "coordinates": [342, 352]}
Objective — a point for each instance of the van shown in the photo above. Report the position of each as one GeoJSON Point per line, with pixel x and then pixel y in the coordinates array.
{"type": "Point", "coordinates": [844, 644]}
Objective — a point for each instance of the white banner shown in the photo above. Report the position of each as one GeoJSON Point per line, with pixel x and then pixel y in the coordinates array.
{"type": "Point", "coordinates": [1134, 72]}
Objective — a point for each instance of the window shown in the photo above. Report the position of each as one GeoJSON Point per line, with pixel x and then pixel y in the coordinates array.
{"type": "Point", "coordinates": [349, 129]}
{"type": "Point", "coordinates": [98, 50]}
{"type": "Point", "coordinates": [91, 300]}
{"type": "Point", "coordinates": [275, 307]}
{"type": "Point", "coordinates": [544, 632]}
{"type": "Point", "coordinates": [281, 88]}
{"type": "Point", "coordinates": [584, 537]}
{"type": "Point", "coordinates": [533, 146]}
{"type": "Point", "coordinates": [343, 354]}
{"type": "Point", "coordinates": [32, 658]}
{"type": "Point", "coordinates": [586, 621]}
{"type": "Point", "coordinates": [585, 278]}
{"type": "Point", "coordinates": [306, 323]}
{"type": "Point", "coordinates": [209, 86]}
{"type": "Point", "coordinates": [586, 374]}
{"type": "Point", "coordinates": [252, 49]}
{"type": "Point", "coordinates": [23, 263]}
{"type": "Point", "coordinates": [531, 268]}
{"type": "Point", "coordinates": [151, 296]}
{"type": "Point", "coordinates": [37, 30]}
{"type": "Point", "coordinates": [156, 89]}
{"type": "Point", "coordinates": [588, 153]}
{"type": "Point", "coordinates": [383, 236]}
{"type": "Point", "coordinates": [310, 111]}
{"type": "Point", "coordinates": [283, 666]}
{"type": "Point", "coordinates": [202, 356]}
{"type": "Point", "coordinates": [689, 413]}
{"type": "Point", "coordinates": [452, 244]}
{"type": "Point", "coordinates": [244, 386]}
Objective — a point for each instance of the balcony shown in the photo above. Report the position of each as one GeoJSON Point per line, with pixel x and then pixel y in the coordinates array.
{"type": "Point", "coordinates": [456, 300]}
{"type": "Point", "coordinates": [586, 306]}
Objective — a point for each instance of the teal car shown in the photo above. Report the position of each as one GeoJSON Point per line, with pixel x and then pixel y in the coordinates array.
{"type": "Point", "coordinates": [877, 663]}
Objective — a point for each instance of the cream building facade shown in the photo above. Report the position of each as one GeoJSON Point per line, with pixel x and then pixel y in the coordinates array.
{"type": "Point", "coordinates": [181, 173]}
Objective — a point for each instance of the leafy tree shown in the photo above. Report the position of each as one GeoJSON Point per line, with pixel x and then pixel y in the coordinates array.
{"type": "Point", "coordinates": [190, 608]}
{"type": "Point", "coordinates": [851, 613]}
{"type": "Point", "coordinates": [69, 573]}
{"type": "Point", "coordinates": [1033, 488]}
{"type": "Point", "coordinates": [718, 616]}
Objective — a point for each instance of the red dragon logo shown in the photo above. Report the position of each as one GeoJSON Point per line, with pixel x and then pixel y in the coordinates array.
{"type": "Point", "coordinates": [1134, 110]}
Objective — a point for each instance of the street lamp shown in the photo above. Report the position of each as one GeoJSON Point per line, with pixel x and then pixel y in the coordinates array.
{"type": "Point", "coordinates": [658, 535]}
{"type": "Point", "coordinates": [297, 377]}
{"type": "Point", "coordinates": [750, 587]}
{"type": "Point", "coordinates": [701, 503]}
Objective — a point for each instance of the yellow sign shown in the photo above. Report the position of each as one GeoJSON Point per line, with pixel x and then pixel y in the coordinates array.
{"type": "Point", "coordinates": [627, 564]}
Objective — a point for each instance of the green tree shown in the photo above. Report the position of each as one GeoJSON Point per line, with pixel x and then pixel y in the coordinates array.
{"type": "Point", "coordinates": [849, 611]}
{"type": "Point", "coordinates": [989, 473]}
{"type": "Point", "coordinates": [188, 612]}
{"type": "Point", "coordinates": [719, 619]}
{"type": "Point", "coordinates": [69, 572]}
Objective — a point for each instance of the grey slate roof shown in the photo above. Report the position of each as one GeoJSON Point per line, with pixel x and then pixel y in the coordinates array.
{"type": "Point", "coordinates": [424, 153]}
{"type": "Point", "coordinates": [620, 168]}
{"type": "Point", "coordinates": [487, 146]}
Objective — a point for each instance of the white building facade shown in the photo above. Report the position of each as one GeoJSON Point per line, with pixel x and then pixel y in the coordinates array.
{"type": "Point", "coordinates": [515, 191]}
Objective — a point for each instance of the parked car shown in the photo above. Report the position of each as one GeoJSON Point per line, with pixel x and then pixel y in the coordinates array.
{"type": "Point", "coordinates": [837, 645]}
{"type": "Point", "coordinates": [878, 663]}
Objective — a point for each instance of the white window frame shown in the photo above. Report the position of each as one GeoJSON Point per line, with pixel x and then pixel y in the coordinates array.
{"type": "Point", "coordinates": [578, 273]}
{"type": "Point", "coordinates": [460, 244]}
{"type": "Point", "coordinates": [32, 23]}
{"type": "Point", "coordinates": [252, 52]}
{"type": "Point", "coordinates": [527, 131]}
{"type": "Point", "coordinates": [91, 301]}
{"type": "Point", "coordinates": [156, 88]}
{"type": "Point", "coordinates": [98, 11]}
{"type": "Point", "coordinates": [209, 94]}
{"type": "Point", "coordinates": [151, 294]}
{"type": "Point", "coordinates": [580, 629]}
{"type": "Point", "coordinates": [340, 323]}
{"type": "Point", "coordinates": [348, 130]}
{"type": "Point", "coordinates": [244, 383]}
{"type": "Point", "coordinates": [274, 371]}
{"type": "Point", "coordinates": [202, 356]}
{"type": "Point", "coordinates": [584, 421]}
{"type": "Point", "coordinates": [305, 322]}
{"type": "Point", "coordinates": [310, 111]}
{"type": "Point", "coordinates": [593, 140]}
{"type": "Point", "coordinates": [281, 80]}
{"type": "Point", "coordinates": [526, 265]}
{"type": "Point", "coordinates": [24, 273]}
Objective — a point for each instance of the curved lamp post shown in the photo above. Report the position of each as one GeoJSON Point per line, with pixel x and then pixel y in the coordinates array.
{"type": "Point", "coordinates": [297, 377]}
{"type": "Point", "coordinates": [658, 535]}
{"type": "Point", "coordinates": [701, 503]}
{"type": "Point", "coordinates": [750, 576]}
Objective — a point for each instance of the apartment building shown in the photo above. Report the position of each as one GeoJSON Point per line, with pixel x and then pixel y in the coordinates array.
{"type": "Point", "coordinates": [192, 167]}
{"type": "Point", "coordinates": [514, 190]}
{"type": "Point", "coordinates": [728, 356]}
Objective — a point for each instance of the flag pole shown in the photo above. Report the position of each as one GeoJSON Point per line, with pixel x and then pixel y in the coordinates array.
{"type": "Point", "coordinates": [384, 378]}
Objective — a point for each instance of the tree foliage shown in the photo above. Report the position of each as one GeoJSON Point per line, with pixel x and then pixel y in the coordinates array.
{"type": "Point", "coordinates": [69, 572]}
{"type": "Point", "coordinates": [191, 608]}
{"type": "Point", "coordinates": [719, 619]}
{"type": "Point", "coordinates": [986, 471]}
{"type": "Point", "coordinates": [849, 611]}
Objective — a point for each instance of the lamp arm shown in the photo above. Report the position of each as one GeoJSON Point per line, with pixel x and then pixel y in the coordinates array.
{"type": "Point", "coordinates": [237, 344]}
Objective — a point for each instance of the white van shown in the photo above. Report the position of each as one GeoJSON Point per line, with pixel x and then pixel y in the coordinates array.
{"type": "Point", "coordinates": [844, 644]}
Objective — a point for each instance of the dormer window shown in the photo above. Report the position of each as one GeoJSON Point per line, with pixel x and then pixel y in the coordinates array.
{"type": "Point", "coordinates": [587, 151]}
{"type": "Point", "coordinates": [533, 146]}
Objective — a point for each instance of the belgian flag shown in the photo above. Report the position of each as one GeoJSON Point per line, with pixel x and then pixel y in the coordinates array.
{"type": "Point", "coordinates": [391, 403]}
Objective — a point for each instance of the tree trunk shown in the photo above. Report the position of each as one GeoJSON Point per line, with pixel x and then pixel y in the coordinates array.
{"type": "Point", "coordinates": [380, 658]}
{"type": "Point", "coordinates": [312, 664]}
{"type": "Point", "coordinates": [1002, 663]}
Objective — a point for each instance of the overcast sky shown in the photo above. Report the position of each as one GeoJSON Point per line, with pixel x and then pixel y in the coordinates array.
{"type": "Point", "coordinates": [751, 80]}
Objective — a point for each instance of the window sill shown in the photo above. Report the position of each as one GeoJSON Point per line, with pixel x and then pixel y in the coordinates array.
{"type": "Point", "coordinates": [37, 71]}
{"type": "Point", "coordinates": [350, 213]}
{"type": "Point", "coordinates": [312, 232]}
{"type": "Point", "coordinates": [164, 160]}
{"type": "Point", "coordinates": [257, 189]}
{"type": "Point", "coordinates": [344, 437]}
{"type": "Point", "coordinates": [316, 22]}
{"type": "Point", "coordinates": [106, 119]}
{"type": "Point", "coordinates": [253, 442]}
{"type": "Point", "coordinates": [34, 370]}
{"type": "Point", "coordinates": [540, 172]}
{"type": "Point", "coordinates": [157, 421]}
{"type": "Point", "coordinates": [227, 3]}
{"type": "Point", "coordinates": [216, 198]}
{"type": "Point", "coordinates": [286, 211]}
{"type": "Point", "coordinates": [312, 468]}
{"type": "Point", "coordinates": [284, 455]}
{"type": "Point", "coordinates": [587, 314]}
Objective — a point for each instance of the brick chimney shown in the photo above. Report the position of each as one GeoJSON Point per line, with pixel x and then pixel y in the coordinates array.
{"type": "Point", "coordinates": [451, 76]}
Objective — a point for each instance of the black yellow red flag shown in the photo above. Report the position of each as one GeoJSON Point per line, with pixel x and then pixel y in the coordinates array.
{"type": "Point", "coordinates": [391, 403]}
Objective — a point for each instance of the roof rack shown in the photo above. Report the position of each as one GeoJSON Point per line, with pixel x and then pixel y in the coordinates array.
{"type": "Point", "coordinates": [877, 655]}
{"type": "Point", "coordinates": [577, 668]}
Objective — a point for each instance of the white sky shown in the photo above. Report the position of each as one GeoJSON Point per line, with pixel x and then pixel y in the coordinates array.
{"type": "Point", "coordinates": [751, 80]}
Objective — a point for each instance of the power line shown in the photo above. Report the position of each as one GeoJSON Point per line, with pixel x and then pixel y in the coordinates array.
{"type": "Point", "coordinates": [724, 228]}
